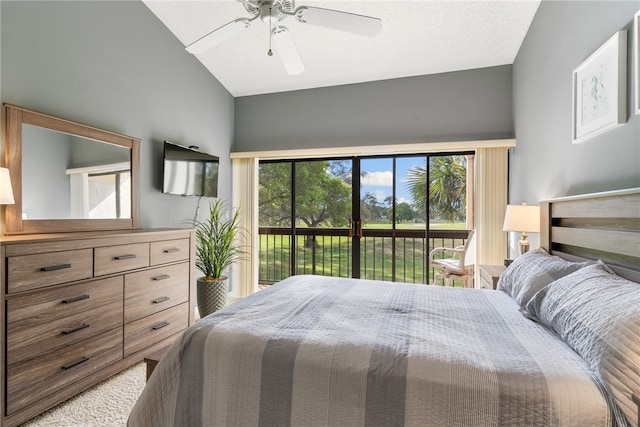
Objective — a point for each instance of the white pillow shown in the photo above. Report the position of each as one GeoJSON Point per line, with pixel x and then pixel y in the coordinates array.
{"type": "Point", "coordinates": [597, 313]}
{"type": "Point", "coordinates": [531, 272]}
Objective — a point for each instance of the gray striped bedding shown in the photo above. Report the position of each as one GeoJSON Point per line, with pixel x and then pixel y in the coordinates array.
{"type": "Point", "coordinates": [319, 351]}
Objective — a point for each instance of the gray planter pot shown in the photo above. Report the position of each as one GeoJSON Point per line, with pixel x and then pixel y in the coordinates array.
{"type": "Point", "coordinates": [212, 295]}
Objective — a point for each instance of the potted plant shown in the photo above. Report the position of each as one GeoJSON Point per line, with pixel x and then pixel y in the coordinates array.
{"type": "Point", "coordinates": [217, 249]}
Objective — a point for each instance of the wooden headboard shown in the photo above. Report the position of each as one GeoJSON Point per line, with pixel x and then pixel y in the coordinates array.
{"type": "Point", "coordinates": [595, 226]}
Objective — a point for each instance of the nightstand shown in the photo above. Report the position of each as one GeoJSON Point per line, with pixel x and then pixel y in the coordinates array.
{"type": "Point", "coordinates": [489, 275]}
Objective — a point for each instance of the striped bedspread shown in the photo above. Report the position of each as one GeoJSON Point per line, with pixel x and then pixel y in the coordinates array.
{"type": "Point", "coordinates": [318, 351]}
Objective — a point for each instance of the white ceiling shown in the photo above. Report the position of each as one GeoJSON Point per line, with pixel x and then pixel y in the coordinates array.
{"type": "Point", "coordinates": [418, 37]}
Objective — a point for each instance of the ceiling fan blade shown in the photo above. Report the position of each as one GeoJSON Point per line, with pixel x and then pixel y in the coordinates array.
{"type": "Point", "coordinates": [343, 21]}
{"type": "Point", "coordinates": [219, 35]}
{"type": "Point", "coordinates": [287, 50]}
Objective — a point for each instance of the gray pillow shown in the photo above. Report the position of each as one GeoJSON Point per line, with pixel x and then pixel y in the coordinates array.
{"type": "Point", "coordinates": [531, 272]}
{"type": "Point", "coordinates": [597, 313]}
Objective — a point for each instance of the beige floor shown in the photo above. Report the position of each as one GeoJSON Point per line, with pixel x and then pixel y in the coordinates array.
{"type": "Point", "coordinates": [106, 405]}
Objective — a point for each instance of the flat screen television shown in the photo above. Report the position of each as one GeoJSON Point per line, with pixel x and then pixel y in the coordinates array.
{"type": "Point", "coordinates": [188, 172]}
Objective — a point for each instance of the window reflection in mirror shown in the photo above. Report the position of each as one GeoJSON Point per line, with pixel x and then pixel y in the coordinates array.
{"type": "Point", "coordinates": [71, 177]}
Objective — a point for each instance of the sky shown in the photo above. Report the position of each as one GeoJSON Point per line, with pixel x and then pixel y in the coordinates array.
{"type": "Point", "coordinates": [379, 177]}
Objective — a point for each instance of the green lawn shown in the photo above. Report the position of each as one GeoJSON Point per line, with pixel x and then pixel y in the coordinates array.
{"type": "Point", "coordinates": [417, 225]}
{"type": "Point", "coordinates": [331, 256]}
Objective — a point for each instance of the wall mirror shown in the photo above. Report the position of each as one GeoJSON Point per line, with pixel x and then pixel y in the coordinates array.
{"type": "Point", "coordinates": [67, 176]}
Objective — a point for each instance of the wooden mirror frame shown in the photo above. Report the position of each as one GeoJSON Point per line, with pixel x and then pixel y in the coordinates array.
{"type": "Point", "coordinates": [14, 224]}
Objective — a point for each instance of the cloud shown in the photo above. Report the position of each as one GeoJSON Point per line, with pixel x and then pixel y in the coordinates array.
{"type": "Point", "coordinates": [378, 179]}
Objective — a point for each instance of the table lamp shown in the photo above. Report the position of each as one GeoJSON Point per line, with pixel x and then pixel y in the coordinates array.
{"type": "Point", "coordinates": [522, 219]}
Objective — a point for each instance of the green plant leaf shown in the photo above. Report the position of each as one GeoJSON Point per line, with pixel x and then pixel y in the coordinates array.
{"type": "Point", "coordinates": [217, 246]}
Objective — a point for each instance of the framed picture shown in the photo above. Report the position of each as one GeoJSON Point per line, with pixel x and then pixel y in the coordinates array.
{"type": "Point", "coordinates": [600, 90]}
{"type": "Point", "coordinates": [636, 72]}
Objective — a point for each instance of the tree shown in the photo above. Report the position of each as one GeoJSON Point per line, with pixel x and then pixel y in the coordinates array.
{"type": "Point", "coordinates": [388, 202]}
{"type": "Point", "coordinates": [321, 197]}
{"type": "Point", "coordinates": [404, 212]}
{"type": "Point", "coordinates": [342, 170]}
{"type": "Point", "coordinates": [370, 210]}
{"type": "Point", "coordinates": [447, 187]}
{"type": "Point", "coordinates": [274, 190]}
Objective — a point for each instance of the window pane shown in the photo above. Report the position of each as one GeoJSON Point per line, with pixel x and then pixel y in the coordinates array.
{"type": "Point", "coordinates": [448, 192]}
{"type": "Point", "coordinates": [376, 192]}
{"type": "Point", "coordinates": [274, 187]}
{"type": "Point", "coordinates": [274, 194]}
{"type": "Point", "coordinates": [323, 208]}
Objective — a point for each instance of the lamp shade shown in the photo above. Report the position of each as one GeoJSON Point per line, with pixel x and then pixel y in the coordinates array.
{"type": "Point", "coordinates": [522, 218]}
{"type": "Point", "coordinates": [6, 191]}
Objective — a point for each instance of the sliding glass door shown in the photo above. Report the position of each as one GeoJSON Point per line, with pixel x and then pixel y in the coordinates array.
{"type": "Point", "coordinates": [394, 233]}
{"type": "Point", "coordinates": [374, 218]}
{"type": "Point", "coordinates": [305, 218]}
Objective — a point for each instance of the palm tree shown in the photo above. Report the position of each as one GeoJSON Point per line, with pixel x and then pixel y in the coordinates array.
{"type": "Point", "coordinates": [447, 187]}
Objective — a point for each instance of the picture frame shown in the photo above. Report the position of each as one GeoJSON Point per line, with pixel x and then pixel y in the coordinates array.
{"type": "Point", "coordinates": [636, 72]}
{"type": "Point", "coordinates": [600, 90]}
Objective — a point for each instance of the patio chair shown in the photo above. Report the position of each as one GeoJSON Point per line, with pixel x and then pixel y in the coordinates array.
{"type": "Point", "coordinates": [459, 266]}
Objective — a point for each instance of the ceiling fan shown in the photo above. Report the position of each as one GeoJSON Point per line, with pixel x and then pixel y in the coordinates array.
{"type": "Point", "coordinates": [272, 12]}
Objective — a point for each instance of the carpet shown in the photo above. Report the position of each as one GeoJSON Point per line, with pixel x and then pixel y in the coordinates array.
{"type": "Point", "coordinates": [107, 404]}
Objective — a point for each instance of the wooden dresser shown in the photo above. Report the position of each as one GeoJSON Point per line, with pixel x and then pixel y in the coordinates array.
{"type": "Point", "coordinates": [79, 307]}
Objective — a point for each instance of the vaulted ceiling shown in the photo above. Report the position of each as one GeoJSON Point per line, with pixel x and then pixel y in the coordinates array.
{"type": "Point", "coordinates": [418, 37]}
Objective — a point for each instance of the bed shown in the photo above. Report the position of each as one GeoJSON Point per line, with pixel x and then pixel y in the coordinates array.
{"type": "Point", "coordinates": [558, 344]}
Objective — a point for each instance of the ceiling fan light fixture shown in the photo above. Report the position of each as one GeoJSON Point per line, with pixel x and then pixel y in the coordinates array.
{"type": "Point", "coordinates": [269, 14]}
{"type": "Point", "coordinates": [219, 35]}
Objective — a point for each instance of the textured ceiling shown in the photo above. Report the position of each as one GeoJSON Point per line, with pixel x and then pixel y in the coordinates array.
{"type": "Point", "coordinates": [418, 37]}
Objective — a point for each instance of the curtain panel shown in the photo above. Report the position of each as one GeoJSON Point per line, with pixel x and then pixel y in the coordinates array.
{"type": "Point", "coordinates": [244, 274]}
{"type": "Point", "coordinates": [490, 204]}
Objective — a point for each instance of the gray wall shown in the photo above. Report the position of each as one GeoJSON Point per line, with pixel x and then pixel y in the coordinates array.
{"type": "Point", "coordinates": [113, 65]}
{"type": "Point", "coordinates": [545, 163]}
{"type": "Point", "coordinates": [473, 104]}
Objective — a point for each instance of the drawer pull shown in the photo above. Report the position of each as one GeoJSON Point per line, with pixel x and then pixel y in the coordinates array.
{"type": "Point", "coordinates": [171, 251]}
{"type": "Point", "coordinates": [75, 299]}
{"type": "Point", "coordinates": [55, 267]}
{"type": "Point", "coordinates": [161, 277]}
{"type": "Point", "coordinates": [122, 257]}
{"type": "Point", "coordinates": [159, 300]}
{"type": "Point", "coordinates": [76, 329]}
{"type": "Point", "coordinates": [76, 363]}
{"type": "Point", "coordinates": [160, 326]}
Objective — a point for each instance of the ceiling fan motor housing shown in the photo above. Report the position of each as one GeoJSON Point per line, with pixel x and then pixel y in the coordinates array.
{"type": "Point", "coordinates": [270, 11]}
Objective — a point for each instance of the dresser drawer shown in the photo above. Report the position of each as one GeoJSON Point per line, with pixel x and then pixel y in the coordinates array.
{"type": "Point", "coordinates": [115, 259]}
{"type": "Point", "coordinates": [151, 291]}
{"type": "Point", "coordinates": [27, 272]}
{"type": "Point", "coordinates": [169, 251]}
{"type": "Point", "coordinates": [29, 382]}
{"type": "Point", "coordinates": [151, 329]}
{"type": "Point", "coordinates": [53, 319]}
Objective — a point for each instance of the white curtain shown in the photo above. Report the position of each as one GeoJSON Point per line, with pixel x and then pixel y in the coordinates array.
{"type": "Point", "coordinates": [245, 197]}
{"type": "Point", "coordinates": [490, 205]}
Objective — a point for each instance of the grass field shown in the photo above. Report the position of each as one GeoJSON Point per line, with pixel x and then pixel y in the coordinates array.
{"type": "Point", "coordinates": [332, 255]}
{"type": "Point", "coordinates": [418, 226]}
